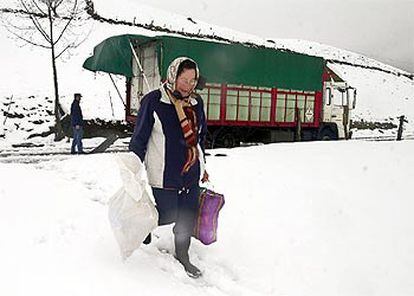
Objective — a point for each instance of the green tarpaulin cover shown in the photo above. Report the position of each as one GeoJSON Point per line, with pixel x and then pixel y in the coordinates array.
{"type": "Point", "coordinates": [218, 62]}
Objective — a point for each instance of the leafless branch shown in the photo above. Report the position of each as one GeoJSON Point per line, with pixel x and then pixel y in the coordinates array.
{"type": "Point", "coordinates": [35, 12]}
{"type": "Point", "coordinates": [84, 39]}
{"type": "Point", "coordinates": [38, 7]}
{"type": "Point", "coordinates": [23, 4]}
{"type": "Point", "coordinates": [27, 40]}
{"type": "Point", "coordinates": [72, 16]}
{"type": "Point", "coordinates": [24, 12]}
{"type": "Point", "coordinates": [75, 44]}
{"type": "Point", "coordinates": [40, 29]}
{"type": "Point", "coordinates": [58, 3]}
{"type": "Point", "coordinates": [29, 13]}
{"type": "Point", "coordinates": [36, 22]}
{"type": "Point", "coordinates": [65, 49]}
{"type": "Point", "coordinates": [9, 24]}
{"type": "Point", "coordinates": [63, 31]}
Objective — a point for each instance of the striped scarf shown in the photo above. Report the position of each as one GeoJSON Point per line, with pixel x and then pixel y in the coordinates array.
{"type": "Point", "coordinates": [186, 115]}
{"type": "Point", "coordinates": [188, 122]}
{"type": "Point", "coordinates": [190, 131]}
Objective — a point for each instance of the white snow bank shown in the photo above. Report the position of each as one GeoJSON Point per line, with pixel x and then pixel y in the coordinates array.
{"type": "Point", "coordinates": [327, 218]}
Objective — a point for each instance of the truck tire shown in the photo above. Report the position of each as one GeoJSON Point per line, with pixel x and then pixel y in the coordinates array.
{"type": "Point", "coordinates": [328, 135]}
{"type": "Point", "coordinates": [309, 135]}
{"type": "Point", "coordinates": [228, 140]}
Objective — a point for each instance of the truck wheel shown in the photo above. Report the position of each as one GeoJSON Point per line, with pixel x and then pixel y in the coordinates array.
{"type": "Point", "coordinates": [225, 138]}
{"type": "Point", "coordinates": [308, 135]}
{"type": "Point", "coordinates": [209, 142]}
{"type": "Point", "coordinates": [327, 135]}
{"type": "Point", "coordinates": [228, 140]}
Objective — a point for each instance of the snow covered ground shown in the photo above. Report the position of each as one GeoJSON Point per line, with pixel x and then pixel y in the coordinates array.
{"type": "Point", "coordinates": [328, 218]}
{"type": "Point", "coordinates": [26, 70]}
{"type": "Point", "coordinates": [321, 218]}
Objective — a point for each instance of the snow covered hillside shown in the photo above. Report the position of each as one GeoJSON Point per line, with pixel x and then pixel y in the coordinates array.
{"type": "Point", "coordinates": [25, 117]}
{"type": "Point", "coordinates": [323, 218]}
{"type": "Point", "coordinates": [28, 122]}
{"type": "Point", "coordinates": [384, 92]}
{"type": "Point", "coordinates": [311, 218]}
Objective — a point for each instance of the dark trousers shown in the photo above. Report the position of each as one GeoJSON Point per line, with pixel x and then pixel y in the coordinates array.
{"type": "Point", "coordinates": [180, 207]}
{"type": "Point", "coordinates": [77, 139]}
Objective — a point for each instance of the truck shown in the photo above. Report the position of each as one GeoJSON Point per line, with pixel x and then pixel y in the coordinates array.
{"type": "Point", "coordinates": [251, 93]}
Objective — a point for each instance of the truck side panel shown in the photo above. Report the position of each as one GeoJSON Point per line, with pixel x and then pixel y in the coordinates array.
{"type": "Point", "coordinates": [254, 106]}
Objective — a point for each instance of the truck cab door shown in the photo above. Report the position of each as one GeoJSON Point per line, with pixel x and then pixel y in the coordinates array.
{"type": "Point", "coordinates": [327, 103]}
{"type": "Point", "coordinates": [335, 98]}
{"type": "Point", "coordinates": [340, 111]}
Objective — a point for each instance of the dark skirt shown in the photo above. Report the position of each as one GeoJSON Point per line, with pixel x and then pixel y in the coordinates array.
{"type": "Point", "coordinates": [179, 207]}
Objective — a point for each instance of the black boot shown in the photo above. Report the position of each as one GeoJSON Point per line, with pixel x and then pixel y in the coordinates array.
{"type": "Point", "coordinates": [181, 254]}
{"type": "Point", "coordinates": [147, 240]}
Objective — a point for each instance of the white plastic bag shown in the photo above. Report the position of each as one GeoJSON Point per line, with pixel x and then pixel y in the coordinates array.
{"type": "Point", "coordinates": [132, 213]}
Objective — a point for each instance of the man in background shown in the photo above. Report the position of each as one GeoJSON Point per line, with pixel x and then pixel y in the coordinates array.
{"type": "Point", "coordinates": [76, 119]}
{"type": "Point", "coordinates": [2, 120]}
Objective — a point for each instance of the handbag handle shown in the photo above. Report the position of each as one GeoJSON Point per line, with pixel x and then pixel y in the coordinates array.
{"type": "Point", "coordinates": [208, 185]}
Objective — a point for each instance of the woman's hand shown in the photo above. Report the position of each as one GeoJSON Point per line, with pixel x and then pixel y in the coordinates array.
{"type": "Point", "coordinates": [205, 177]}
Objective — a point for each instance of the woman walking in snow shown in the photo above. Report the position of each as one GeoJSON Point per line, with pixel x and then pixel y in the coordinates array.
{"type": "Point", "coordinates": [169, 138]}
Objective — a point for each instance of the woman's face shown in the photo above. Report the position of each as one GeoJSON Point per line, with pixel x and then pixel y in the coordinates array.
{"type": "Point", "coordinates": [186, 82]}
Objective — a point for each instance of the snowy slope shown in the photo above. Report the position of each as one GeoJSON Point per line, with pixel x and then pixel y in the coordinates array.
{"type": "Point", "coordinates": [382, 95]}
{"type": "Point", "coordinates": [327, 218]}
{"type": "Point", "coordinates": [26, 71]}
{"type": "Point", "coordinates": [28, 121]}
{"type": "Point", "coordinates": [334, 53]}
{"type": "Point", "coordinates": [300, 219]}
{"type": "Point", "coordinates": [130, 12]}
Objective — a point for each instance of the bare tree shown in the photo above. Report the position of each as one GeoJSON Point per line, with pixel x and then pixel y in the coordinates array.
{"type": "Point", "coordinates": [50, 24]}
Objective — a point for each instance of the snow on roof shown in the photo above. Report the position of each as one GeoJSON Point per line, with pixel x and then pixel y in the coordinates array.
{"type": "Point", "coordinates": [134, 13]}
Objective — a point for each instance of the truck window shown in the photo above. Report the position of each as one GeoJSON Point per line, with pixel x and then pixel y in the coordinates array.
{"type": "Point", "coordinates": [243, 106]}
{"type": "Point", "coordinates": [339, 97]}
{"type": "Point", "coordinates": [301, 107]}
{"type": "Point", "coordinates": [245, 103]}
{"type": "Point", "coordinates": [266, 99]}
{"type": "Point", "coordinates": [328, 96]}
{"type": "Point", "coordinates": [231, 104]}
{"type": "Point", "coordinates": [211, 95]}
{"type": "Point", "coordinates": [290, 108]}
{"type": "Point", "coordinates": [280, 106]}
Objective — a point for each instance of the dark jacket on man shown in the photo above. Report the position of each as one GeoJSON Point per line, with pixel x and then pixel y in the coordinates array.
{"type": "Point", "coordinates": [76, 117]}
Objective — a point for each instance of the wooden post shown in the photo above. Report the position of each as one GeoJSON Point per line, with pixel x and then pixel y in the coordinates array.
{"type": "Point", "coordinates": [346, 119]}
{"type": "Point", "coordinates": [298, 137]}
{"type": "Point", "coordinates": [112, 105]}
{"type": "Point", "coordinates": [400, 127]}
{"type": "Point", "coordinates": [8, 110]}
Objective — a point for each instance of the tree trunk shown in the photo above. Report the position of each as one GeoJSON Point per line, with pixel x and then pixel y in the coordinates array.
{"type": "Point", "coordinates": [59, 133]}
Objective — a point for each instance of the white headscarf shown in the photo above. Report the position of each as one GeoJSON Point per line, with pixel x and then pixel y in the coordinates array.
{"type": "Point", "coordinates": [173, 69]}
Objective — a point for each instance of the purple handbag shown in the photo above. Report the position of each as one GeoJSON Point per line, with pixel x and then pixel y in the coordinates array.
{"type": "Point", "coordinates": [210, 204]}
